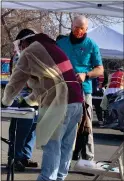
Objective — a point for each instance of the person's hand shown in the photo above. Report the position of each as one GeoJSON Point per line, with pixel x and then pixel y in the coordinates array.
{"type": "Point", "coordinates": [3, 106]}
{"type": "Point", "coordinates": [81, 77]}
{"type": "Point", "coordinates": [23, 104]}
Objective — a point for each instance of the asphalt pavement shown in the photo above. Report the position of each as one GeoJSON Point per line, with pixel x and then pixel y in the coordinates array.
{"type": "Point", "coordinates": [106, 142]}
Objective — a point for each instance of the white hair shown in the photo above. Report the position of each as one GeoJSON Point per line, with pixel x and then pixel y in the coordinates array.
{"type": "Point", "coordinates": [81, 19]}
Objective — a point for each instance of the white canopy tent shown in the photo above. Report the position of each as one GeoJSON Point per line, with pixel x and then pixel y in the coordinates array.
{"type": "Point", "coordinates": [113, 8]}
{"type": "Point", "coordinates": [105, 39]}
{"type": "Point", "coordinates": [109, 41]}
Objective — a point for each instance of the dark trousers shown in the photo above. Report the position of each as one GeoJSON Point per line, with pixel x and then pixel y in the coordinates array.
{"type": "Point", "coordinates": [25, 137]}
{"type": "Point", "coordinates": [80, 146]}
{"type": "Point", "coordinates": [98, 109]}
{"type": "Point", "coordinates": [25, 134]}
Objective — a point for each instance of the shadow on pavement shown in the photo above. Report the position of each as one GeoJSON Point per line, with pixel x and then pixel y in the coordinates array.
{"type": "Point", "coordinates": [82, 173]}
{"type": "Point", "coordinates": [27, 170]}
{"type": "Point", "coordinates": [108, 139]}
{"type": "Point", "coordinates": [38, 170]}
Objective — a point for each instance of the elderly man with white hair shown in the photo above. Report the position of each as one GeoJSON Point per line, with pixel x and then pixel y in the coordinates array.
{"type": "Point", "coordinates": [86, 60]}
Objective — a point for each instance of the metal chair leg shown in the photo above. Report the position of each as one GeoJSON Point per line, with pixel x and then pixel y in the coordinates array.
{"type": "Point", "coordinates": [13, 152]}
{"type": "Point", "coordinates": [10, 160]}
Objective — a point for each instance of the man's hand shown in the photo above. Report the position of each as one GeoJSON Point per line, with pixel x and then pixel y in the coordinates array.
{"type": "Point", "coordinates": [81, 77]}
{"type": "Point", "coordinates": [23, 104]}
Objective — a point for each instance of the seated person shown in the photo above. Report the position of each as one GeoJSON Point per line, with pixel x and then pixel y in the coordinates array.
{"type": "Point", "coordinates": [115, 83]}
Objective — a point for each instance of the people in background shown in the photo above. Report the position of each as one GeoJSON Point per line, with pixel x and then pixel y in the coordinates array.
{"type": "Point", "coordinates": [86, 60]}
{"type": "Point", "coordinates": [99, 84]}
{"type": "Point", "coordinates": [53, 83]}
{"type": "Point", "coordinates": [115, 83]}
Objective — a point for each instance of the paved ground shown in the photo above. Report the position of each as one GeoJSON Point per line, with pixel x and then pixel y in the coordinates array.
{"type": "Point", "coordinates": [106, 142]}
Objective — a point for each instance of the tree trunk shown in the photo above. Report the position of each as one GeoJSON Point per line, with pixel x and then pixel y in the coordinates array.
{"type": "Point", "coordinates": [60, 24]}
{"type": "Point", "coordinates": [6, 28]}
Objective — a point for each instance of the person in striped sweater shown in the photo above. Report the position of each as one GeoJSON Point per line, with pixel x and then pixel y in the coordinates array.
{"type": "Point", "coordinates": [57, 92]}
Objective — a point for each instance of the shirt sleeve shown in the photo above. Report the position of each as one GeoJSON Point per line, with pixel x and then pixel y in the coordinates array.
{"type": "Point", "coordinates": [17, 81]}
{"type": "Point", "coordinates": [96, 58]}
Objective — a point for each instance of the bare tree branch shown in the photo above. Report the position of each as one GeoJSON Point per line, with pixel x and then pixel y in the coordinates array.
{"type": "Point", "coordinates": [7, 13]}
{"type": "Point", "coordinates": [60, 27]}
{"type": "Point", "coordinates": [6, 44]}
{"type": "Point", "coordinates": [6, 28]}
{"type": "Point", "coordinates": [70, 16]}
{"type": "Point", "coordinates": [25, 21]}
{"type": "Point", "coordinates": [61, 24]}
{"type": "Point", "coordinates": [49, 23]}
{"type": "Point", "coordinates": [108, 20]}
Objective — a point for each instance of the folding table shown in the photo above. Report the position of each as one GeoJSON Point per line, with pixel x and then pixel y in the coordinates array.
{"type": "Point", "coordinates": [13, 112]}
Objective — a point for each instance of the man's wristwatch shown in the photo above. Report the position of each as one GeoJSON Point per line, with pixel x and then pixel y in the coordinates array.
{"type": "Point", "coordinates": [87, 76]}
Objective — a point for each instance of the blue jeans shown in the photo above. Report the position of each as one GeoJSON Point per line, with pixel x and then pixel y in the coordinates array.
{"type": "Point", "coordinates": [25, 134]}
{"type": "Point", "coordinates": [57, 153]}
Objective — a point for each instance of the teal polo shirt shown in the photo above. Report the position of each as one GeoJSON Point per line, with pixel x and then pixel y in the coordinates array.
{"type": "Point", "coordinates": [83, 56]}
